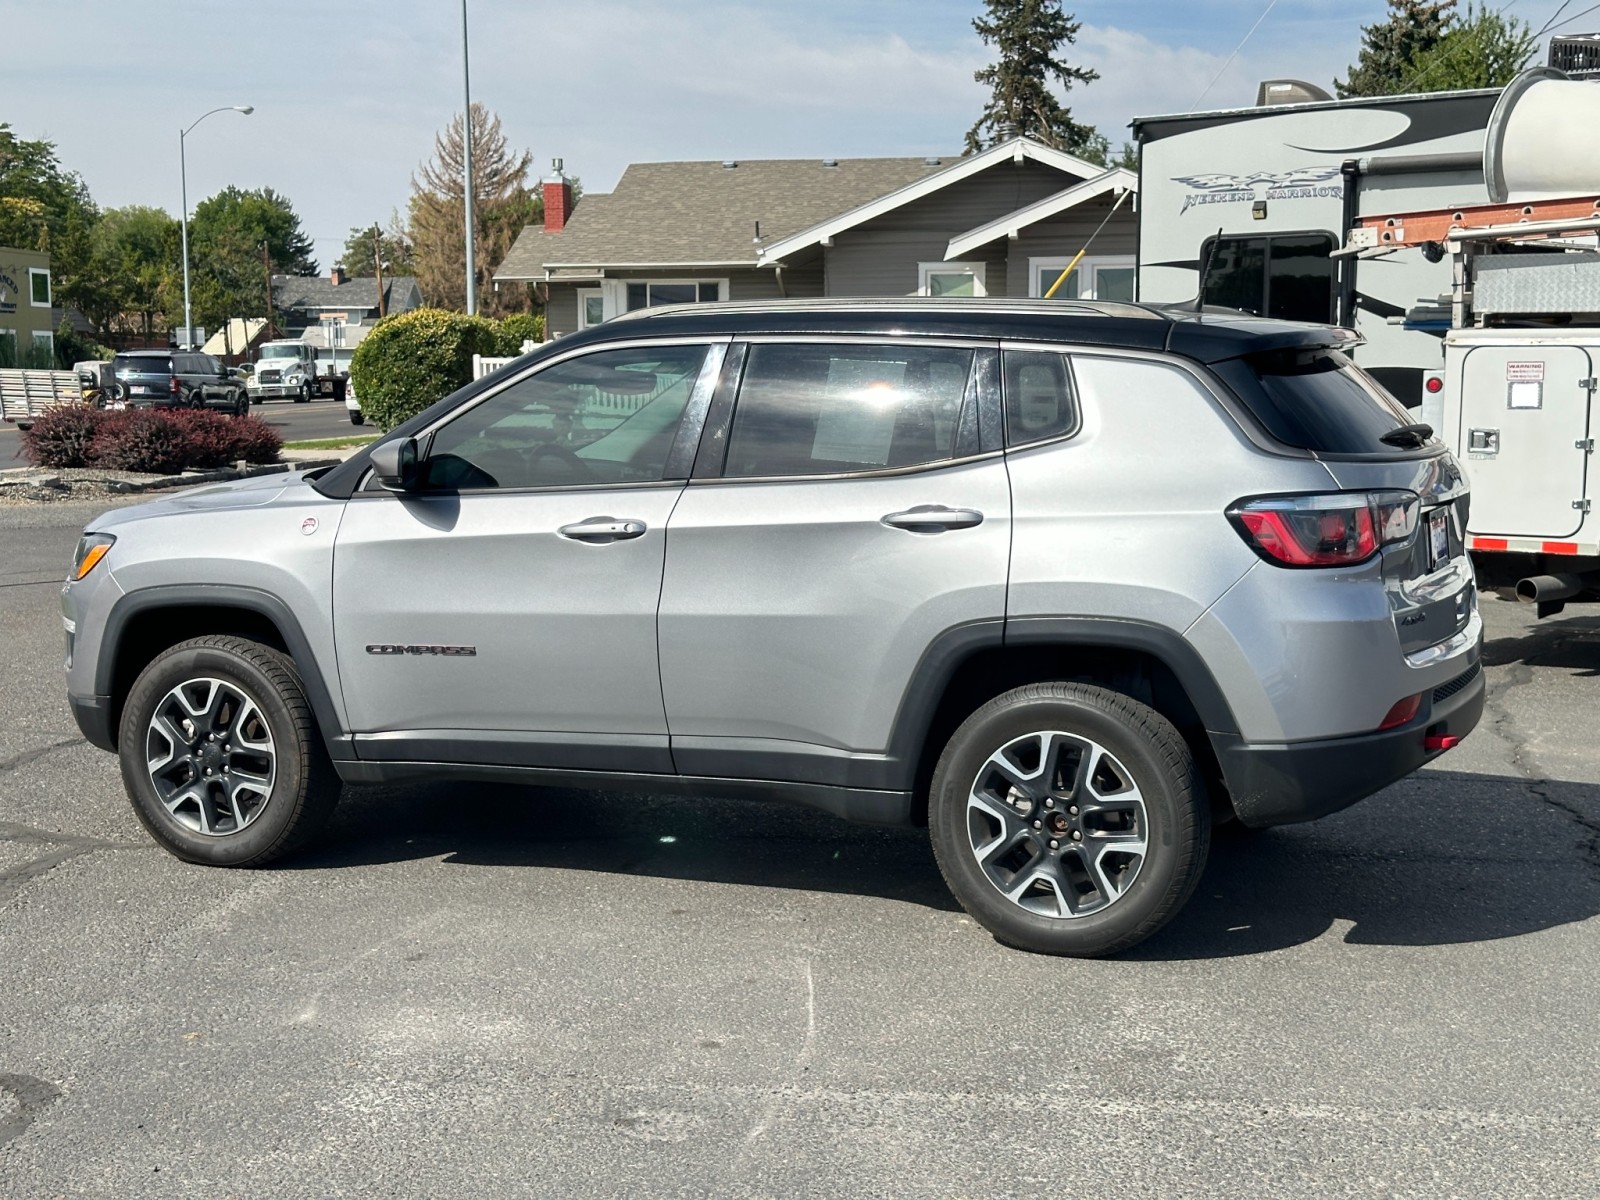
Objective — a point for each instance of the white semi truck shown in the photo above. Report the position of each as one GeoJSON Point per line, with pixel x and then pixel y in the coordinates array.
{"type": "Point", "coordinates": [285, 369]}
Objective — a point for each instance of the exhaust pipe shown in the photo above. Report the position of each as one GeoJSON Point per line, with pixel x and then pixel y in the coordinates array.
{"type": "Point", "coordinates": [1547, 589]}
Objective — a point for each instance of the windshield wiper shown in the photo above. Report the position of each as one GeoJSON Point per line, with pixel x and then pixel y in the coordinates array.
{"type": "Point", "coordinates": [1408, 437]}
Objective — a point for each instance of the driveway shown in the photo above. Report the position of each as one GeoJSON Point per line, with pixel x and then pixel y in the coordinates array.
{"type": "Point", "coordinates": [494, 991]}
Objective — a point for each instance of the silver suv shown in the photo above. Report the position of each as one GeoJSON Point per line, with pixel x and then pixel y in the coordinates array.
{"type": "Point", "coordinates": [1067, 582]}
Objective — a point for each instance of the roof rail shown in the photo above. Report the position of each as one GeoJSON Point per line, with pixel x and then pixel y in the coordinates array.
{"type": "Point", "coordinates": [918, 304]}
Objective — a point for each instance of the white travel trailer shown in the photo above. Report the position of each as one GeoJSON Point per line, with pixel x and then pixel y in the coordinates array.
{"type": "Point", "coordinates": [1283, 182]}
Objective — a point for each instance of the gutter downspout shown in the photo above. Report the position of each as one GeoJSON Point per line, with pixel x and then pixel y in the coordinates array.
{"type": "Point", "coordinates": [777, 273]}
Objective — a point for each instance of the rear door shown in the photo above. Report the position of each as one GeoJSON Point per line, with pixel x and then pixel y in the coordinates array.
{"type": "Point", "coordinates": [1524, 428]}
{"type": "Point", "coordinates": [842, 523]}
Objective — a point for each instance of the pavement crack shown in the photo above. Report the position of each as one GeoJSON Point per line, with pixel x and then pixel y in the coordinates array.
{"type": "Point", "coordinates": [33, 1097]}
{"type": "Point", "coordinates": [34, 755]}
{"type": "Point", "coordinates": [10, 831]}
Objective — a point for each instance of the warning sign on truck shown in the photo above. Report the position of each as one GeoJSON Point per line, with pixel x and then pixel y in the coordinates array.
{"type": "Point", "coordinates": [1525, 372]}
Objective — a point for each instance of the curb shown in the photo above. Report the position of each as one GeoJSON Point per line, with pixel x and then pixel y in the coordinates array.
{"type": "Point", "coordinates": [37, 478]}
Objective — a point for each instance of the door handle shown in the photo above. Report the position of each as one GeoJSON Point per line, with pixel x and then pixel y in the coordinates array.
{"type": "Point", "coordinates": [933, 518]}
{"type": "Point", "coordinates": [603, 530]}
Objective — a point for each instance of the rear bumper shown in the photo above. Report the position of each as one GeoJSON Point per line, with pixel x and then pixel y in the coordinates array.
{"type": "Point", "coordinates": [1301, 781]}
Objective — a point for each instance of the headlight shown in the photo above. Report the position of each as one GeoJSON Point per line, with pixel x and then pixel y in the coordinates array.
{"type": "Point", "coordinates": [92, 548]}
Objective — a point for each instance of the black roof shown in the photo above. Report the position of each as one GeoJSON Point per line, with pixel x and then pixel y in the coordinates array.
{"type": "Point", "coordinates": [1212, 336]}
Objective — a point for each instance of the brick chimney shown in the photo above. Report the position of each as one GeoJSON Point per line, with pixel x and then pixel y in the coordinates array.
{"type": "Point", "coordinates": [557, 199]}
{"type": "Point", "coordinates": [336, 277]}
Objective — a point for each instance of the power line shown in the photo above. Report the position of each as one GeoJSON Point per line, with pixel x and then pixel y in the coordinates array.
{"type": "Point", "coordinates": [1571, 19]}
{"type": "Point", "coordinates": [1270, 6]}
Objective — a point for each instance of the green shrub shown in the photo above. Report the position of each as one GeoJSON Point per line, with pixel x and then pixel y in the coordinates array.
{"type": "Point", "coordinates": [519, 328]}
{"type": "Point", "coordinates": [415, 359]}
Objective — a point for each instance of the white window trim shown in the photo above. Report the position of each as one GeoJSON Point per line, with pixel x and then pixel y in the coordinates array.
{"type": "Point", "coordinates": [585, 293]}
{"type": "Point", "coordinates": [616, 290]}
{"type": "Point", "coordinates": [1087, 270]}
{"type": "Point", "coordinates": [978, 271]}
{"type": "Point", "coordinates": [45, 336]}
{"type": "Point", "coordinates": [49, 287]}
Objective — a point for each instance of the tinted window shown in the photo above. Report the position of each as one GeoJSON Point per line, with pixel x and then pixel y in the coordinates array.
{"type": "Point", "coordinates": [1039, 399]}
{"type": "Point", "coordinates": [1288, 276]}
{"type": "Point", "coordinates": [824, 410]}
{"type": "Point", "coordinates": [141, 364]}
{"type": "Point", "coordinates": [605, 418]}
{"type": "Point", "coordinates": [1316, 400]}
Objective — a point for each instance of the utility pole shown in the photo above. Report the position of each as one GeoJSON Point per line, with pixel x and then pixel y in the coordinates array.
{"type": "Point", "coordinates": [466, 143]}
{"type": "Point", "coordinates": [377, 263]}
{"type": "Point", "coordinates": [266, 267]}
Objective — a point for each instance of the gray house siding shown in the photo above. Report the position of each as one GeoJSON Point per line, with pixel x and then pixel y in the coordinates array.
{"type": "Point", "coordinates": [1064, 235]}
{"type": "Point", "coordinates": [880, 257]}
{"type": "Point", "coordinates": [561, 310]}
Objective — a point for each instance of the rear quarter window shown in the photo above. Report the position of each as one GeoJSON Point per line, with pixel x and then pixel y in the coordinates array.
{"type": "Point", "coordinates": [1316, 400]}
{"type": "Point", "coordinates": [142, 365]}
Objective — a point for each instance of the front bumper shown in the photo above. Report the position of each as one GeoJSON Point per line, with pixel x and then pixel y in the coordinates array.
{"type": "Point", "coordinates": [1301, 781]}
{"type": "Point", "coordinates": [276, 391]}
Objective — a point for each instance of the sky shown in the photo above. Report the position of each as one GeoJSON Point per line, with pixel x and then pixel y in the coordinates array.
{"type": "Point", "coordinates": [349, 96]}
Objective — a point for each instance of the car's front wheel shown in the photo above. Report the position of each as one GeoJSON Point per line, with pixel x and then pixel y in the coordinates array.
{"type": "Point", "coordinates": [1069, 819]}
{"type": "Point", "coordinates": [357, 417]}
{"type": "Point", "coordinates": [221, 755]}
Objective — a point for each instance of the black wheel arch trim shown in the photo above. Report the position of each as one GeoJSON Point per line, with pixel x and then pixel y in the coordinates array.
{"type": "Point", "coordinates": [216, 595]}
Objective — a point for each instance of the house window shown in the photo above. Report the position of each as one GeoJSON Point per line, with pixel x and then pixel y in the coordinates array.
{"type": "Point", "coordinates": [8, 347]}
{"type": "Point", "coordinates": [44, 342]}
{"type": "Point", "coordinates": [39, 287]}
{"type": "Point", "coordinates": [591, 307]}
{"type": "Point", "coordinates": [1285, 275]}
{"type": "Point", "coordinates": [1106, 277]}
{"type": "Point", "coordinates": [950, 279]}
{"type": "Point", "coordinates": [673, 291]}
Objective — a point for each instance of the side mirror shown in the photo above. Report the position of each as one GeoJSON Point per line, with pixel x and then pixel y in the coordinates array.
{"type": "Point", "coordinates": [395, 463]}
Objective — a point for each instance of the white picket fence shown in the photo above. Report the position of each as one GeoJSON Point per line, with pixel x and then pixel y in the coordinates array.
{"type": "Point", "coordinates": [482, 364]}
{"type": "Point", "coordinates": [26, 394]}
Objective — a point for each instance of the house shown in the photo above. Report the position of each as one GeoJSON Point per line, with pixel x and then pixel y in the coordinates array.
{"type": "Point", "coordinates": [237, 340]}
{"type": "Point", "coordinates": [27, 328]}
{"type": "Point", "coordinates": [1003, 222]}
{"type": "Point", "coordinates": [310, 300]}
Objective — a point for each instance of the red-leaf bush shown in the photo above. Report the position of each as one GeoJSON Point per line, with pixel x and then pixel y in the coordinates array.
{"type": "Point", "coordinates": [62, 437]}
{"type": "Point", "coordinates": [153, 441]}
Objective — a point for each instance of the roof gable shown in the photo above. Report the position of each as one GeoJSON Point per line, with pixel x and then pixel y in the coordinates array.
{"type": "Point", "coordinates": [1118, 179]}
{"type": "Point", "coordinates": [1015, 150]}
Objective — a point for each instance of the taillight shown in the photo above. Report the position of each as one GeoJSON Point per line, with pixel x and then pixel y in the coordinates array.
{"type": "Point", "coordinates": [1334, 530]}
{"type": "Point", "coordinates": [1433, 383]}
{"type": "Point", "coordinates": [173, 387]}
{"type": "Point", "coordinates": [1402, 712]}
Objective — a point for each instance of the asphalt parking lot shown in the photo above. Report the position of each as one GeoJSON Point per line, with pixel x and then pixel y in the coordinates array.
{"type": "Point", "coordinates": [295, 422]}
{"type": "Point", "coordinates": [475, 990]}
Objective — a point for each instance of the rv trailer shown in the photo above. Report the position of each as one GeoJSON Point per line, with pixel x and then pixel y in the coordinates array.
{"type": "Point", "coordinates": [1283, 182]}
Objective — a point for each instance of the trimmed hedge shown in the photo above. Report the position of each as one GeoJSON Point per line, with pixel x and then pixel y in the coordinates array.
{"type": "Point", "coordinates": [417, 358]}
{"type": "Point", "coordinates": [152, 441]}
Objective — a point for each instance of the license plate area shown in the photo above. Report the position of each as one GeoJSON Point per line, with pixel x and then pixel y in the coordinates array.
{"type": "Point", "coordinates": [1439, 533]}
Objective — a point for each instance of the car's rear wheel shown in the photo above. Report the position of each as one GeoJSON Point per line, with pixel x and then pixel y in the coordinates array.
{"type": "Point", "coordinates": [1069, 819]}
{"type": "Point", "coordinates": [357, 417]}
{"type": "Point", "coordinates": [221, 756]}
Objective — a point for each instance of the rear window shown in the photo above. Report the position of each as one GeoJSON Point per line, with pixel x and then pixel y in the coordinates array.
{"type": "Point", "coordinates": [142, 364]}
{"type": "Point", "coordinates": [1317, 400]}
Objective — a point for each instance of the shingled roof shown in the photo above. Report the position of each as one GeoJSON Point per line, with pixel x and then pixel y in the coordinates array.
{"type": "Point", "coordinates": [318, 291]}
{"type": "Point", "coordinates": [677, 214]}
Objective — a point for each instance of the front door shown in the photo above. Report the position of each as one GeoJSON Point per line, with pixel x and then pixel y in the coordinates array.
{"type": "Point", "coordinates": [851, 524]}
{"type": "Point", "coordinates": [506, 612]}
{"type": "Point", "coordinates": [1524, 424]}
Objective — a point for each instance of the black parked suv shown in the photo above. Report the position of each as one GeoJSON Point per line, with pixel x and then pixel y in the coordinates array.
{"type": "Point", "coordinates": [177, 379]}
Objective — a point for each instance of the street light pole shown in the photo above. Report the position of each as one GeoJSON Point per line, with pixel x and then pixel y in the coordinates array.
{"type": "Point", "coordinates": [183, 176]}
{"type": "Point", "coordinates": [466, 142]}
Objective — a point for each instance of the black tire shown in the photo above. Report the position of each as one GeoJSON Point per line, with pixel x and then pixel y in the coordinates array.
{"type": "Point", "coordinates": [358, 418]}
{"type": "Point", "coordinates": [304, 787]}
{"type": "Point", "coordinates": [305, 394]}
{"type": "Point", "coordinates": [1139, 744]}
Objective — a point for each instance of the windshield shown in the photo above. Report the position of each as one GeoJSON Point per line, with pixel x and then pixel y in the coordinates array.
{"type": "Point", "coordinates": [280, 352]}
{"type": "Point", "coordinates": [1318, 400]}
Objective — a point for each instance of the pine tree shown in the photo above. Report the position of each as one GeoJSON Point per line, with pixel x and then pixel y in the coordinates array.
{"type": "Point", "coordinates": [502, 204]}
{"type": "Point", "coordinates": [1030, 35]}
{"type": "Point", "coordinates": [1390, 48]}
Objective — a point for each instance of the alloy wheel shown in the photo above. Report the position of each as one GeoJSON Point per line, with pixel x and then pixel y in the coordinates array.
{"type": "Point", "coordinates": [211, 756]}
{"type": "Point", "coordinates": [1057, 824]}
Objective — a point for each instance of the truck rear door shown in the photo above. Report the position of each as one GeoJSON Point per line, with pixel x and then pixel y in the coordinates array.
{"type": "Point", "coordinates": [1524, 430]}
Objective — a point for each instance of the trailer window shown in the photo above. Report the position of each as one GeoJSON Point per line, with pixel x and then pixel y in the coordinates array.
{"type": "Point", "coordinates": [1288, 275]}
{"type": "Point", "coordinates": [1316, 400]}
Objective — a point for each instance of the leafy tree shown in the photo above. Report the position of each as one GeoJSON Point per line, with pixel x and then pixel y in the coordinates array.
{"type": "Point", "coordinates": [37, 197]}
{"type": "Point", "coordinates": [1098, 151]}
{"type": "Point", "coordinates": [502, 204]}
{"type": "Point", "coordinates": [1391, 47]}
{"type": "Point", "coordinates": [1486, 49]}
{"type": "Point", "coordinates": [393, 247]}
{"type": "Point", "coordinates": [1030, 35]}
{"type": "Point", "coordinates": [129, 281]}
{"type": "Point", "coordinates": [251, 217]}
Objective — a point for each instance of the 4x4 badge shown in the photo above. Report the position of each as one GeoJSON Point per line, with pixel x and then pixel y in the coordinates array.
{"type": "Point", "coordinates": [442, 651]}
